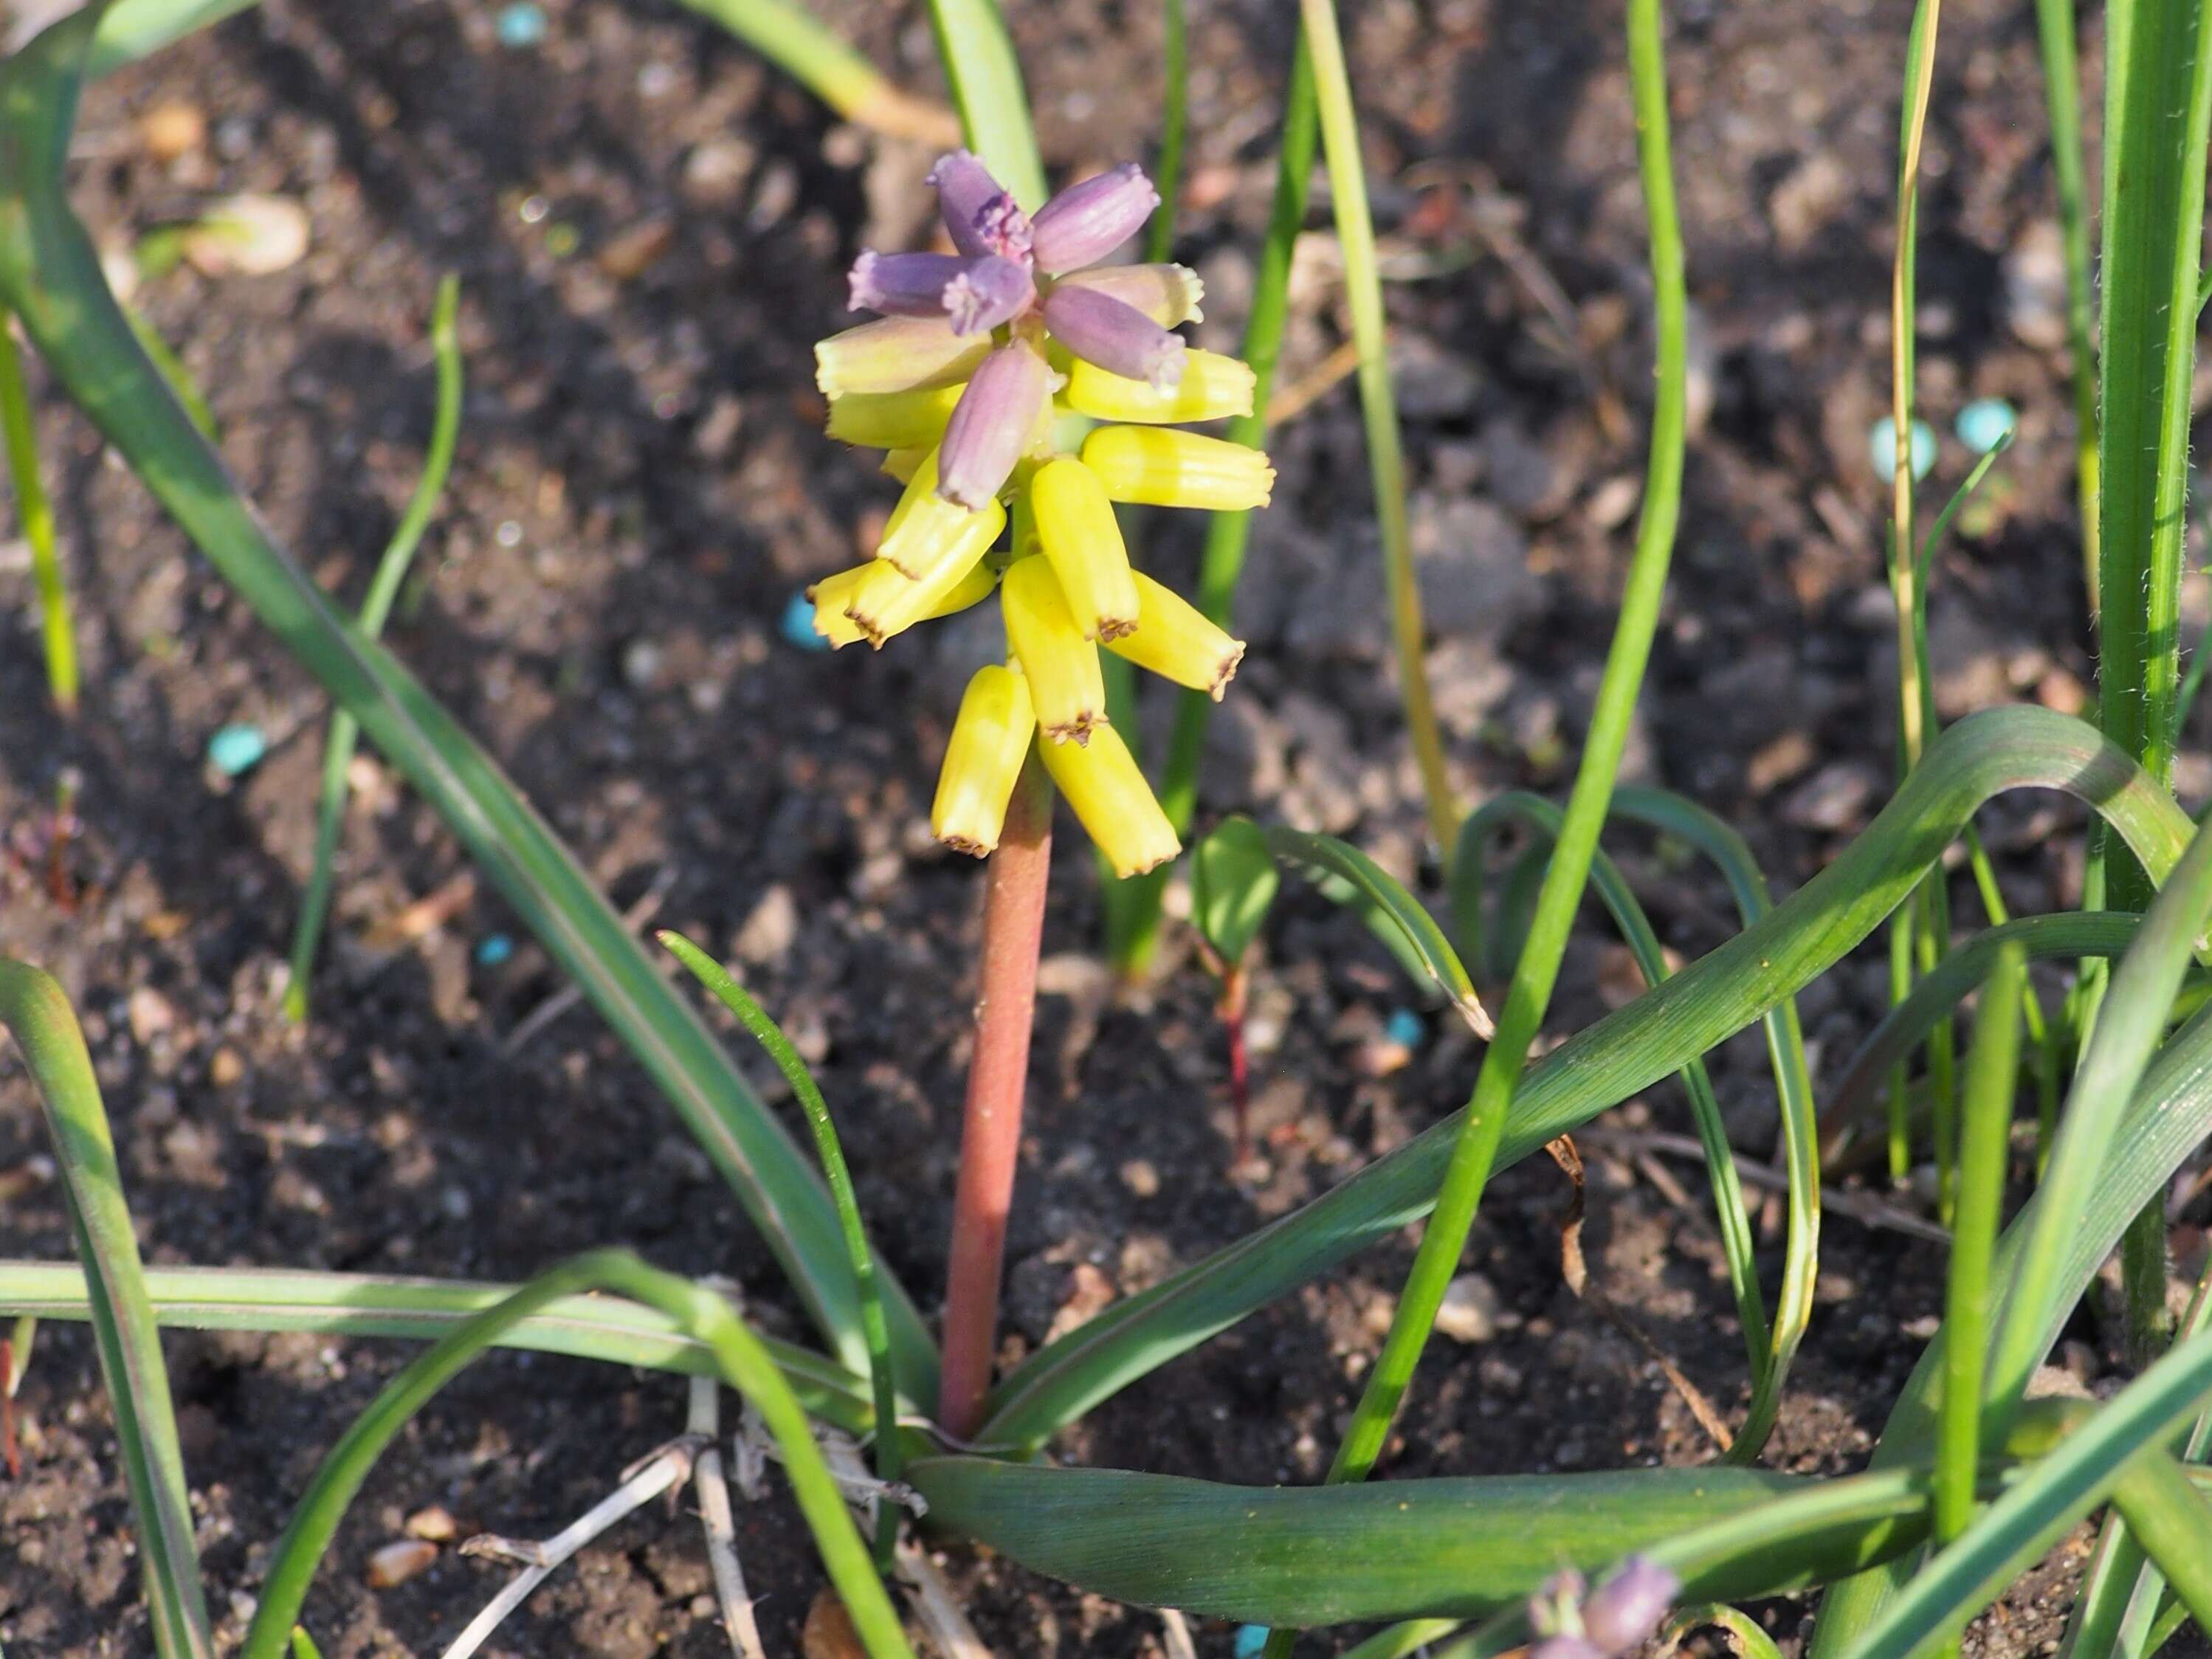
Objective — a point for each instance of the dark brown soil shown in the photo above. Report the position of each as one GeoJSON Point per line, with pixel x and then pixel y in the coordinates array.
{"type": "Point", "coordinates": [643, 486]}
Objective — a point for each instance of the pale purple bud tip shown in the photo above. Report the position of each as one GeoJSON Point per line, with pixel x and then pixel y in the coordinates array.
{"type": "Point", "coordinates": [1620, 1615]}
{"type": "Point", "coordinates": [991, 425]}
{"type": "Point", "coordinates": [978, 212]}
{"type": "Point", "coordinates": [1086, 222]}
{"type": "Point", "coordinates": [904, 284]}
{"type": "Point", "coordinates": [987, 292]}
{"type": "Point", "coordinates": [1118, 337]}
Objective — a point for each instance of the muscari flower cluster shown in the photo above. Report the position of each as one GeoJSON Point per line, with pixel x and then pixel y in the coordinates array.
{"type": "Point", "coordinates": [967, 383]}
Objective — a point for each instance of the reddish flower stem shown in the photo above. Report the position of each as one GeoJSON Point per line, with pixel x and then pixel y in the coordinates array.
{"type": "Point", "coordinates": [991, 1138]}
{"type": "Point", "coordinates": [1240, 1071]}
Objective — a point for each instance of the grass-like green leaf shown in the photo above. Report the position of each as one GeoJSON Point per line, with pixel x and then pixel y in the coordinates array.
{"type": "Point", "coordinates": [33, 1008]}
{"type": "Point", "coordinates": [793, 38]}
{"type": "Point", "coordinates": [765, 1031]}
{"type": "Point", "coordinates": [986, 77]}
{"type": "Point", "coordinates": [36, 514]}
{"type": "Point", "coordinates": [1378, 404]}
{"type": "Point", "coordinates": [598, 1328]}
{"type": "Point", "coordinates": [2054, 27]}
{"type": "Point", "coordinates": [1632, 1049]}
{"type": "Point", "coordinates": [1227, 534]}
{"type": "Point", "coordinates": [1984, 1157]}
{"type": "Point", "coordinates": [1348, 876]}
{"type": "Point", "coordinates": [1481, 1129]}
{"type": "Point", "coordinates": [2044, 1504]}
{"type": "Point", "coordinates": [51, 275]}
{"type": "Point", "coordinates": [740, 1361]}
{"type": "Point", "coordinates": [2100, 933]}
{"type": "Point", "coordinates": [1739, 1245]}
{"type": "Point", "coordinates": [383, 589]}
{"type": "Point", "coordinates": [133, 29]}
{"type": "Point", "coordinates": [1287, 1556]}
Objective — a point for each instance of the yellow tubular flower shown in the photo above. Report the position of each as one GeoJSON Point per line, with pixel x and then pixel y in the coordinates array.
{"type": "Point", "coordinates": [903, 464]}
{"type": "Point", "coordinates": [924, 528]}
{"type": "Point", "coordinates": [831, 596]}
{"type": "Point", "coordinates": [898, 354]}
{"type": "Point", "coordinates": [1175, 639]}
{"type": "Point", "coordinates": [1062, 665]}
{"type": "Point", "coordinates": [894, 420]}
{"type": "Point", "coordinates": [1075, 522]}
{"type": "Point", "coordinates": [1113, 800]}
{"type": "Point", "coordinates": [990, 740]}
{"type": "Point", "coordinates": [1212, 387]}
{"type": "Point", "coordinates": [886, 601]}
{"type": "Point", "coordinates": [1161, 467]}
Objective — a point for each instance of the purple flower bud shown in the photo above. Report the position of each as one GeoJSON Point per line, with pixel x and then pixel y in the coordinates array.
{"type": "Point", "coordinates": [987, 291]}
{"type": "Point", "coordinates": [1620, 1615]}
{"type": "Point", "coordinates": [904, 284]}
{"type": "Point", "coordinates": [991, 424]}
{"type": "Point", "coordinates": [1086, 222]}
{"type": "Point", "coordinates": [978, 212]}
{"type": "Point", "coordinates": [1120, 338]}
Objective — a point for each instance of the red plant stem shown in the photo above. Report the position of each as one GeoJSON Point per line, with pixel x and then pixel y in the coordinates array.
{"type": "Point", "coordinates": [991, 1137]}
{"type": "Point", "coordinates": [1240, 1074]}
{"type": "Point", "coordinates": [7, 1446]}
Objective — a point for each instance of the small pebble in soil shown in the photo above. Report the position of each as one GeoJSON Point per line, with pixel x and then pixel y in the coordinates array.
{"type": "Point", "coordinates": [1882, 448]}
{"type": "Point", "coordinates": [1251, 1639]}
{"type": "Point", "coordinates": [237, 748]}
{"type": "Point", "coordinates": [798, 625]}
{"type": "Point", "coordinates": [399, 1561]}
{"type": "Point", "coordinates": [521, 26]}
{"type": "Point", "coordinates": [1984, 424]}
{"type": "Point", "coordinates": [493, 950]}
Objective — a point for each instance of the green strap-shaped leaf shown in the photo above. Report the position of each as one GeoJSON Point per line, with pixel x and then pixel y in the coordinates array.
{"type": "Point", "coordinates": [424, 1310]}
{"type": "Point", "coordinates": [1350, 877]}
{"type": "Point", "coordinates": [740, 1361]}
{"type": "Point", "coordinates": [33, 1008]}
{"type": "Point", "coordinates": [1233, 882]}
{"type": "Point", "coordinates": [1629, 1050]}
{"type": "Point", "coordinates": [50, 274]}
{"type": "Point", "coordinates": [1321, 1555]}
{"type": "Point", "coordinates": [987, 91]}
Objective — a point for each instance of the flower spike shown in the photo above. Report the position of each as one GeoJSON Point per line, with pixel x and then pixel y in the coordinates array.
{"type": "Point", "coordinates": [993, 423]}
{"type": "Point", "coordinates": [1086, 222]}
{"type": "Point", "coordinates": [1115, 806]}
{"type": "Point", "coordinates": [903, 284]}
{"type": "Point", "coordinates": [979, 215]}
{"type": "Point", "coordinates": [886, 601]}
{"type": "Point", "coordinates": [897, 354]}
{"type": "Point", "coordinates": [991, 739]}
{"type": "Point", "coordinates": [1075, 523]}
{"type": "Point", "coordinates": [985, 293]}
{"type": "Point", "coordinates": [1169, 294]}
{"type": "Point", "coordinates": [1162, 466]}
{"type": "Point", "coordinates": [1062, 665]}
{"type": "Point", "coordinates": [1100, 329]}
{"type": "Point", "coordinates": [1212, 387]}
{"type": "Point", "coordinates": [1174, 639]}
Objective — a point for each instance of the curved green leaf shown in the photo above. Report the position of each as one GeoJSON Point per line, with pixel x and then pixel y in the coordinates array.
{"type": "Point", "coordinates": [2085, 933]}
{"type": "Point", "coordinates": [424, 1310]}
{"type": "Point", "coordinates": [50, 274]}
{"type": "Point", "coordinates": [1233, 883]}
{"type": "Point", "coordinates": [1462, 1547]}
{"type": "Point", "coordinates": [987, 90]}
{"type": "Point", "coordinates": [1629, 1050]}
{"type": "Point", "coordinates": [1348, 876]}
{"type": "Point", "coordinates": [1738, 1244]}
{"type": "Point", "coordinates": [33, 1008]}
{"type": "Point", "coordinates": [739, 1361]}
